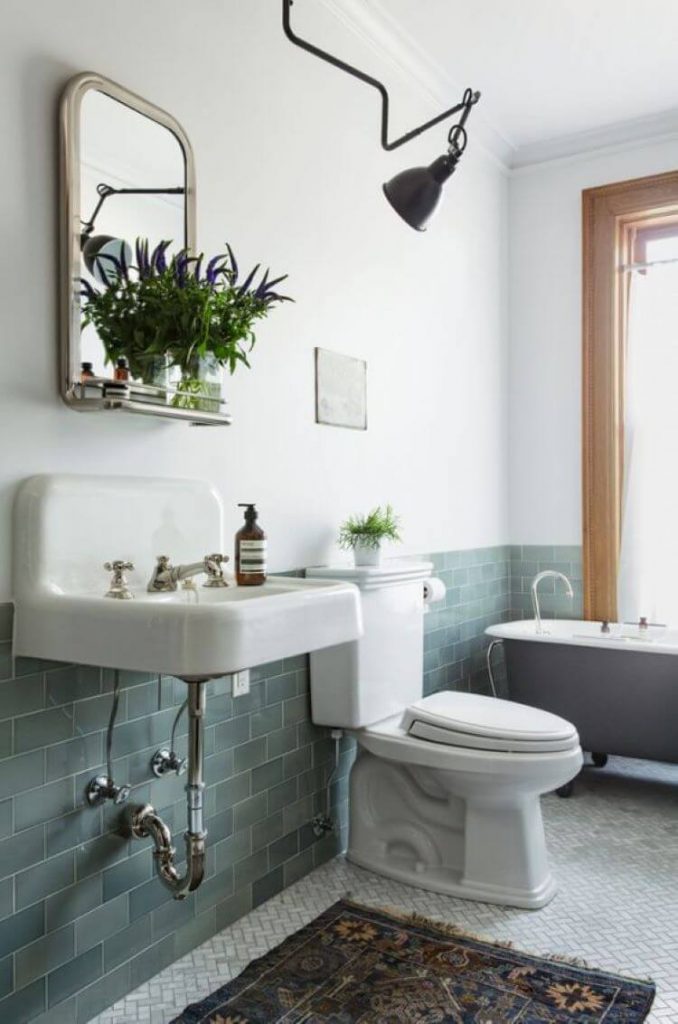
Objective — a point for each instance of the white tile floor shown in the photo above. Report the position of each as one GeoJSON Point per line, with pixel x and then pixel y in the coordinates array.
{"type": "Point", "coordinates": [614, 848]}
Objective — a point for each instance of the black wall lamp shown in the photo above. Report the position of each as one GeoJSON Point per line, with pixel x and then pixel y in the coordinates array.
{"type": "Point", "coordinates": [96, 248]}
{"type": "Point", "coordinates": [415, 193]}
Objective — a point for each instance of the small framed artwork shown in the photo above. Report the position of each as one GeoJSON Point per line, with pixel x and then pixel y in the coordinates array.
{"type": "Point", "coordinates": [340, 390]}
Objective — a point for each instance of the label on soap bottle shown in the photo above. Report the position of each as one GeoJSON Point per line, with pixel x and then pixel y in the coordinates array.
{"type": "Point", "coordinates": [252, 557]}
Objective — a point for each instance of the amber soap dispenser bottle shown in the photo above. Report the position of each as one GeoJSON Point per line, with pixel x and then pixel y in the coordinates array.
{"type": "Point", "coordinates": [250, 550]}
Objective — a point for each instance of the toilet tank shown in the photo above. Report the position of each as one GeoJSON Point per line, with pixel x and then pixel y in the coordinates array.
{"type": "Point", "coordinates": [362, 682]}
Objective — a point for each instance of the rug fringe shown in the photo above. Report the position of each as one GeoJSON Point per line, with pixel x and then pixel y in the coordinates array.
{"type": "Point", "coordinates": [446, 928]}
{"type": "Point", "coordinates": [454, 931]}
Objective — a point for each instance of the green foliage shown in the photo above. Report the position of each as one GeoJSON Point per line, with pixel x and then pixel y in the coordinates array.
{"type": "Point", "coordinates": [159, 311]}
{"type": "Point", "coordinates": [368, 531]}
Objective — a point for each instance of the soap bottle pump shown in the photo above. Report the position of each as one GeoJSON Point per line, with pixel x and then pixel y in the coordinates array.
{"type": "Point", "coordinates": [250, 550]}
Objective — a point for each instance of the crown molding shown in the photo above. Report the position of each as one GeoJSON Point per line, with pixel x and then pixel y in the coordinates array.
{"type": "Point", "coordinates": [375, 27]}
{"type": "Point", "coordinates": [609, 138]}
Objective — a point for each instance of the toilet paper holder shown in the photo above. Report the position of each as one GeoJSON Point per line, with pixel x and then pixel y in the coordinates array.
{"type": "Point", "coordinates": [434, 591]}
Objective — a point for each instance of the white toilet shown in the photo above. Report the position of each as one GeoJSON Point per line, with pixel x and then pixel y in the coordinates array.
{"type": "Point", "coordinates": [445, 790]}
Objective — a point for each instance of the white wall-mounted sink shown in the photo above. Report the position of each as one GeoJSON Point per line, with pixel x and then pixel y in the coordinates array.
{"type": "Point", "coordinates": [67, 526]}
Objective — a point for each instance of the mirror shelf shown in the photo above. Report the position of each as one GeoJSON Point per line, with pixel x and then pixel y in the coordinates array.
{"type": "Point", "coordinates": [197, 418]}
{"type": "Point", "coordinates": [148, 400]}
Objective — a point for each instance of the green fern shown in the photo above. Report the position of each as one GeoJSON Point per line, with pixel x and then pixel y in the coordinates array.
{"type": "Point", "coordinates": [369, 531]}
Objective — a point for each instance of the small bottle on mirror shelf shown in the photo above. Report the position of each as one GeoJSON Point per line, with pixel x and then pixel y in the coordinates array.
{"type": "Point", "coordinates": [90, 387]}
{"type": "Point", "coordinates": [121, 369]}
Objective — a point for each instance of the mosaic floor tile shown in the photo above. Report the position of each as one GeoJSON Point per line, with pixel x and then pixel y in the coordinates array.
{"type": "Point", "coordinates": [614, 848]}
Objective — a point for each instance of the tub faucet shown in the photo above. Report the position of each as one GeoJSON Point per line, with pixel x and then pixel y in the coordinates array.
{"type": "Point", "coordinates": [548, 573]}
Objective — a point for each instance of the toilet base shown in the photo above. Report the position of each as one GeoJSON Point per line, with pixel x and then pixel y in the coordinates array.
{"type": "Point", "coordinates": [450, 883]}
{"type": "Point", "coordinates": [442, 831]}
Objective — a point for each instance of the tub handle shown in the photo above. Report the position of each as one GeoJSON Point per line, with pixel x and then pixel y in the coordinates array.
{"type": "Point", "coordinates": [488, 656]}
{"type": "Point", "coordinates": [644, 622]}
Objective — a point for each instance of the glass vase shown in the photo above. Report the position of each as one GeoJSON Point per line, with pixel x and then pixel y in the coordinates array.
{"type": "Point", "coordinates": [199, 386]}
{"type": "Point", "coordinates": [154, 375]}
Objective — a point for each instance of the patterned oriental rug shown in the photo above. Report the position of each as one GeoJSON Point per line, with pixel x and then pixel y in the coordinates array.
{"type": "Point", "coordinates": [357, 965]}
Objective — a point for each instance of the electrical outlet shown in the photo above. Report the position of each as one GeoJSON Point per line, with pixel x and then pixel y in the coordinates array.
{"type": "Point", "coordinates": [241, 683]}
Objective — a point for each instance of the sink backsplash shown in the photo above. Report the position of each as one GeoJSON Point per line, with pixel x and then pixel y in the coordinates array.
{"type": "Point", "coordinates": [83, 920]}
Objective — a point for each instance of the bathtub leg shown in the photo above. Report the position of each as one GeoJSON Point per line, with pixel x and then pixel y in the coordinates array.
{"type": "Point", "coordinates": [566, 791]}
{"type": "Point", "coordinates": [599, 760]}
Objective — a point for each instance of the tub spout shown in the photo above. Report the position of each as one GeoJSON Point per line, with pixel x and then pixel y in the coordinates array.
{"type": "Point", "coordinates": [547, 574]}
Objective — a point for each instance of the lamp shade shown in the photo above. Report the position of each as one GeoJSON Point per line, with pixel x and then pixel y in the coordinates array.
{"type": "Point", "coordinates": [414, 194]}
{"type": "Point", "coordinates": [96, 252]}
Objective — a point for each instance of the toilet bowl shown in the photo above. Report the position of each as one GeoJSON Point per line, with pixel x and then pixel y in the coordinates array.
{"type": "Point", "coordinates": [445, 789]}
{"type": "Point", "coordinates": [460, 814]}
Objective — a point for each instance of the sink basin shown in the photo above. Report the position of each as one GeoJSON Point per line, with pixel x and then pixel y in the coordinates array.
{"type": "Point", "coordinates": [67, 526]}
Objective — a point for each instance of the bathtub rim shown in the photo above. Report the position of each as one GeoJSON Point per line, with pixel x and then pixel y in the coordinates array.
{"type": "Point", "coordinates": [564, 631]}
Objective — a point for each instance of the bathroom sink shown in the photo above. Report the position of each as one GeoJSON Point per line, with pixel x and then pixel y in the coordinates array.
{"type": "Point", "coordinates": [67, 526]}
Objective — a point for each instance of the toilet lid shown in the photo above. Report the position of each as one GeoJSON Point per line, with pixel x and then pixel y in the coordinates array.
{"type": "Point", "coordinates": [486, 723]}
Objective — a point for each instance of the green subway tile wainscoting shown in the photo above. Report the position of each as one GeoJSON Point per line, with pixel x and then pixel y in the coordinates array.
{"type": "Point", "coordinates": [527, 561]}
{"type": "Point", "coordinates": [83, 919]}
{"type": "Point", "coordinates": [478, 595]}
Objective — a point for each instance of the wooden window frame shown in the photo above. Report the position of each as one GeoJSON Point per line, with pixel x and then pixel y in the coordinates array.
{"type": "Point", "coordinates": [612, 217]}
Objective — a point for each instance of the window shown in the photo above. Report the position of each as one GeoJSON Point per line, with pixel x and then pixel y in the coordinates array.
{"type": "Point", "coordinates": [649, 537]}
{"type": "Point", "coordinates": [623, 224]}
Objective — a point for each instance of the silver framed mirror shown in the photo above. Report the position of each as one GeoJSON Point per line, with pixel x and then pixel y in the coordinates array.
{"type": "Point", "coordinates": [127, 173]}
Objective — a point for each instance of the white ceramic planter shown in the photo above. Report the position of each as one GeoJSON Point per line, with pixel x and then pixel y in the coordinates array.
{"type": "Point", "coordinates": [364, 555]}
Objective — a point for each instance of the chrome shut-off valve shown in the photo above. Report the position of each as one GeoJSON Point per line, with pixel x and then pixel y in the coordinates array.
{"type": "Point", "coordinates": [101, 788]}
{"type": "Point", "coordinates": [164, 761]}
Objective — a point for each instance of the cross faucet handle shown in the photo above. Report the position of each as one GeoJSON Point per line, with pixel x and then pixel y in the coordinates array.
{"type": "Point", "coordinates": [118, 566]}
{"type": "Point", "coordinates": [118, 586]}
{"type": "Point", "coordinates": [215, 572]}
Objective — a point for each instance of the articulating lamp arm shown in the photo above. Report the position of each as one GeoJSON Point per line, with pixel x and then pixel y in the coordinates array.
{"type": "Point", "coordinates": [104, 191]}
{"type": "Point", "coordinates": [469, 100]}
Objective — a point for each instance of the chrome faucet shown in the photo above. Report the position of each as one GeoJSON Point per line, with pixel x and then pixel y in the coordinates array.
{"type": "Point", "coordinates": [548, 573]}
{"type": "Point", "coordinates": [166, 577]}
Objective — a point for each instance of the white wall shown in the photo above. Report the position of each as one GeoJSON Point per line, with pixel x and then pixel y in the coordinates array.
{"type": "Point", "coordinates": [289, 171]}
{"type": "Point", "coordinates": [545, 334]}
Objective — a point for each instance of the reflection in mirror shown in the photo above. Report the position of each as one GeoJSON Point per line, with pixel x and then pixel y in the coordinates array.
{"type": "Point", "coordinates": [132, 184]}
{"type": "Point", "coordinates": [127, 175]}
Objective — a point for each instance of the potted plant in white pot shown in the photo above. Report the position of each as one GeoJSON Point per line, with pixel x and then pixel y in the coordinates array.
{"type": "Point", "coordinates": [363, 534]}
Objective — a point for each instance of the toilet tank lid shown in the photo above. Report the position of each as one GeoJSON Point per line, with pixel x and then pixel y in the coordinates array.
{"type": "Point", "coordinates": [369, 577]}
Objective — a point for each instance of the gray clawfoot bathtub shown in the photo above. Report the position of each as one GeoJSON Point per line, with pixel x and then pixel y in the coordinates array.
{"type": "Point", "coordinates": [620, 689]}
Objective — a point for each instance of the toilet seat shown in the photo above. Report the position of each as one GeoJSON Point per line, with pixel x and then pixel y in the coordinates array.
{"type": "Point", "coordinates": [487, 723]}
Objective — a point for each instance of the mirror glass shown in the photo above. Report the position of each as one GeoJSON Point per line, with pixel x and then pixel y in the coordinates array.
{"type": "Point", "coordinates": [132, 185]}
{"type": "Point", "coordinates": [128, 207]}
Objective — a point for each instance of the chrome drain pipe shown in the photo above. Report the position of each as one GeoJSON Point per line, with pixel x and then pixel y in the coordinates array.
{"type": "Point", "coordinates": [146, 822]}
